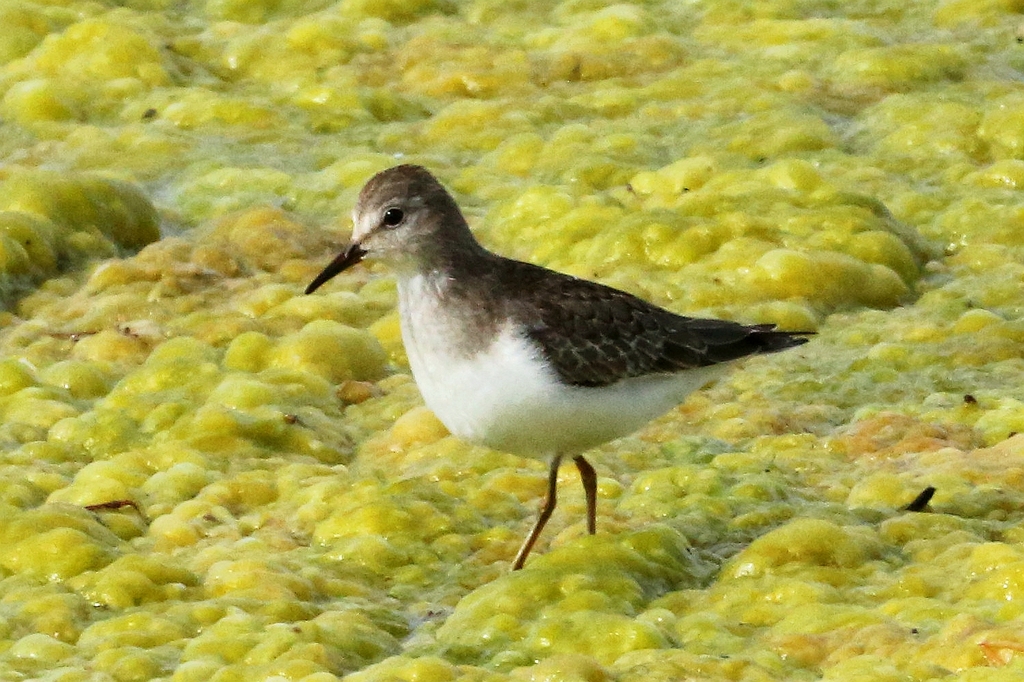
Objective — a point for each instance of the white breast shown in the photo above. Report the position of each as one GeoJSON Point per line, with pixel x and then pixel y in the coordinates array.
{"type": "Point", "coordinates": [506, 397]}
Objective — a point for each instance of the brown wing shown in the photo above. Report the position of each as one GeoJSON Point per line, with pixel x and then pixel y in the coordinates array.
{"type": "Point", "coordinates": [595, 335]}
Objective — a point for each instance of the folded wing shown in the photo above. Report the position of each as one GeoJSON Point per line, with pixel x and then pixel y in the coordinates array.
{"type": "Point", "coordinates": [595, 335]}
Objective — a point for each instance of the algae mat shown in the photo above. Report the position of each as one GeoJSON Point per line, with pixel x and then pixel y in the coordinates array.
{"type": "Point", "coordinates": [207, 475]}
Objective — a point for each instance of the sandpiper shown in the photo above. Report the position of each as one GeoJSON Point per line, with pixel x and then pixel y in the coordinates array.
{"type": "Point", "coordinates": [523, 359]}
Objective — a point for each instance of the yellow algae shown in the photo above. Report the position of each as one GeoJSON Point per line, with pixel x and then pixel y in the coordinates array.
{"type": "Point", "coordinates": [517, 154]}
{"type": "Point", "coordinates": [1008, 173]}
{"type": "Point", "coordinates": [395, 11]}
{"type": "Point", "coordinates": [26, 26]}
{"type": "Point", "coordinates": [682, 176]}
{"type": "Point", "coordinates": [387, 519]}
{"type": "Point", "coordinates": [101, 433]}
{"type": "Point", "coordinates": [60, 615]}
{"type": "Point", "coordinates": [805, 541]}
{"type": "Point", "coordinates": [345, 307]}
{"type": "Point", "coordinates": [55, 554]}
{"type": "Point", "coordinates": [47, 220]}
{"type": "Point", "coordinates": [116, 210]}
{"type": "Point", "coordinates": [41, 100]}
{"type": "Point", "coordinates": [415, 427]}
{"type": "Point", "coordinates": [262, 237]}
{"type": "Point", "coordinates": [470, 71]}
{"type": "Point", "coordinates": [101, 50]}
{"type": "Point", "coordinates": [330, 349]}
{"type": "Point", "coordinates": [242, 392]}
{"type": "Point", "coordinates": [518, 613]}
{"type": "Point", "coordinates": [248, 352]}
{"type": "Point", "coordinates": [300, 515]}
{"type": "Point", "coordinates": [137, 630]}
{"type": "Point", "coordinates": [258, 303]}
{"type": "Point", "coordinates": [885, 248]}
{"type": "Point", "coordinates": [37, 407]}
{"type": "Point", "coordinates": [982, 12]}
{"type": "Point", "coordinates": [41, 649]}
{"type": "Point", "coordinates": [200, 108]}
{"type": "Point", "coordinates": [997, 127]}
{"type": "Point", "coordinates": [564, 668]}
{"type": "Point", "coordinates": [763, 135]}
{"type": "Point", "coordinates": [134, 664]}
{"type": "Point", "coordinates": [102, 481]}
{"type": "Point", "coordinates": [14, 376]}
{"type": "Point", "coordinates": [895, 67]}
{"type": "Point", "coordinates": [132, 580]}
{"type": "Point", "coordinates": [481, 125]}
{"type": "Point", "coordinates": [419, 669]}
{"type": "Point", "coordinates": [248, 576]}
{"type": "Point", "coordinates": [79, 379]}
{"type": "Point", "coordinates": [829, 277]}
{"type": "Point", "coordinates": [906, 122]}
{"type": "Point", "coordinates": [353, 635]}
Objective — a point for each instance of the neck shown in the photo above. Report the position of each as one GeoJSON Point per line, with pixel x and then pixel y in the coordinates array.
{"type": "Point", "coordinates": [451, 251]}
{"type": "Point", "coordinates": [443, 301]}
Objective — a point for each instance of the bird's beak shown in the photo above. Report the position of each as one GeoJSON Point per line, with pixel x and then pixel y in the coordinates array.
{"type": "Point", "coordinates": [352, 254]}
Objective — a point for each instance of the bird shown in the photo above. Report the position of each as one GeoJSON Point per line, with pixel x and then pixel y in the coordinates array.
{"type": "Point", "coordinates": [523, 359]}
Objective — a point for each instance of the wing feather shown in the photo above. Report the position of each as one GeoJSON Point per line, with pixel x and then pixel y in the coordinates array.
{"type": "Point", "coordinates": [595, 335]}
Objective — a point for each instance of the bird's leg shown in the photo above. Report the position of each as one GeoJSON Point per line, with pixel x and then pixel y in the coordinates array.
{"type": "Point", "coordinates": [589, 477]}
{"type": "Point", "coordinates": [545, 513]}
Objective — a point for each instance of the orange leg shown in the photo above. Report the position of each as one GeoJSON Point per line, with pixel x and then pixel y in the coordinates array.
{"type": "Point", "coordinates": [589, 477]}
{"type": "Point", "coordinates": [545, 513]}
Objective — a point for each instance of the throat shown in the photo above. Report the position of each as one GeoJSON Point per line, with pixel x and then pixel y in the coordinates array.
{"type": "Point", "coordinates": [441, 318]}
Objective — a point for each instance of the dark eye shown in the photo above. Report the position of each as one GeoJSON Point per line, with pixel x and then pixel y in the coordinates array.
{"type": "Point", "coordinates": [393, 217]}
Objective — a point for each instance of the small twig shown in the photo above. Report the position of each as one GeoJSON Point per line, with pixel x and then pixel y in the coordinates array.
{"type": "Point", "coordinates": [113, 505]}
{"type": "Point", "coordinates": [921, 501]}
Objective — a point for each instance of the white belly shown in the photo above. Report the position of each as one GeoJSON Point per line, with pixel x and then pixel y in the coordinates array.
{"type": "Point", "coordinates": [506, 398]}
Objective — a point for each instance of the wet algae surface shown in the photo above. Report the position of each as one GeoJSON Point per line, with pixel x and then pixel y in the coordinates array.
{"type": "Point", "coordinates": [207, 475]}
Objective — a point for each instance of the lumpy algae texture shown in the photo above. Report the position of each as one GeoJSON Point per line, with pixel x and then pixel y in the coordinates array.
{"type": "Point", "coordinates": [207, 475]}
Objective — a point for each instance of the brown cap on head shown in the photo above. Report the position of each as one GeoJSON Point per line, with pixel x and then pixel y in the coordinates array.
{"type": "Point", "coordinates": [405, 180]}
{"type": "Point", "coordinates": [406, 217]}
